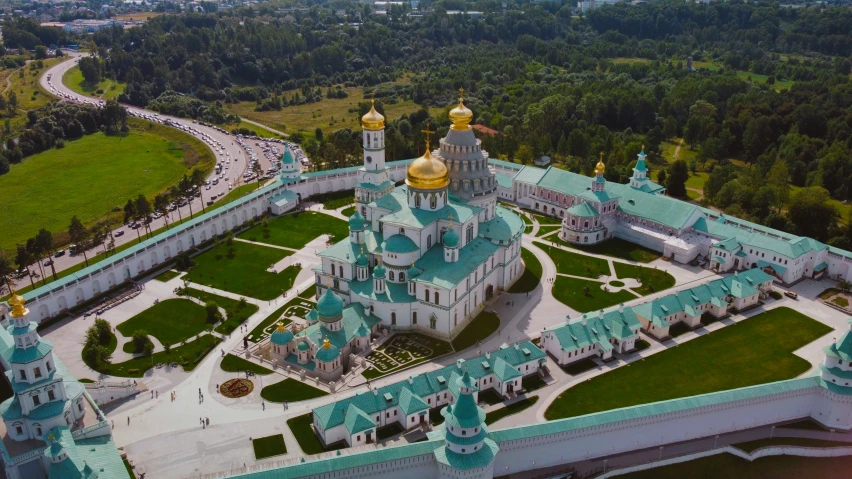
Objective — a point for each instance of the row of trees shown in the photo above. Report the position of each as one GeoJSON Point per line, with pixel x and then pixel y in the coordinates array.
{"type": "Point", "coordinates": [142, 210]}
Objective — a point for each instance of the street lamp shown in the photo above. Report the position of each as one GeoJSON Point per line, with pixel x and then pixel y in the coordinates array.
{"type": "Point", "coordinates": [661, 453]}
{"type": "Point", "coordinates": [772, 432]}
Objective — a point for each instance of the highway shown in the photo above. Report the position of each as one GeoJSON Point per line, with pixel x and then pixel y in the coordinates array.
{"type": "Point", "coordinates": [228, 150]}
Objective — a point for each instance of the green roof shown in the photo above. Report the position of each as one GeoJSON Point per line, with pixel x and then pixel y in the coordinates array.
{"type": "Point", "coordinates": [287, 157]}
{"type": "Point", "coordinates": [841, 373]}
{"type": "Point", "coordinates": [403, 215]}
{"type": "Point", "coordinates": [356, 221]}
{"type": "Point", "coordinates": [505, 371]}
{"type": "Point", "coordinates": [479, 459]}
{"type": "Point", "coordinates": [583, 210]}
{"type": "Point", "coordinates": [615, 324]}
{"type": "Point", "coordinates": [281, 337]}
{"type": "Point", "coordinates": [505, 227]}
{"type": "Point", "coordinates": [757, 236]}
{"type": "Point", "coordinates": [399, 244]}
{"type": "Point", "coordinates": [530, 174]}
{"type": "Point", "coordinates": [503, 180]}
{"type": "Point", "coordinates": [357, 420]}
{"type": "Point", "coordinates": [438, 272]}
{"type": "Point", "coordinates": [327, 354]}
{"type": "Point", "coordinates": [330, 305]}
{"type": "Point", "coordinates": [410, 403]}
{"type": "Point", "coordinates": [353, 319]}
{"type": "Point", "coordinates": [841, 349]}
{"type": "Point", "coordinates": [33, 353]}
{"type": "Point", "coordinates": [775, 267]}
{"type": "Point", "coordinates": [464, 413]}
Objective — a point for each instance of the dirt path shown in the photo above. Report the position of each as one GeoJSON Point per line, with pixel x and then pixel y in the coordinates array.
{"type": "Point", "coordinates": [677, 149]}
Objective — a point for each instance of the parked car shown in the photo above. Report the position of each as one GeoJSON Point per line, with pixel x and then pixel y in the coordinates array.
{"type": "Point", "coordinates": [119, 233]}
{"type": "Point", "coordinates": [59, 253]}
{"type": "Point", "coordinates": [791, 294]}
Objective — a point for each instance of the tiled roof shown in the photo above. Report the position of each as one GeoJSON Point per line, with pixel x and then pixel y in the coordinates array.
{"type": "Point", "coordinates": [438, 272]}
{"type": "Point", "coordinates": [583, 210]}
{"type": "Point", "coordinates": [353, 318]}
{"type": "Point", "coordinates": [530, 174]}
{"type": "Point", "coordinates": [357, 420]}
{"type": "Point", "coordinates": [615, 324]}
{"type": "Point", "coordinates": [411, 403]}
{"type": "Point", "coordinates": [503, 228]}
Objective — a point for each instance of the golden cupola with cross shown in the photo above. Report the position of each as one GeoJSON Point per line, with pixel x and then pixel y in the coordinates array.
{"type": "Point", "coordinates": [373, 120]}
{"type": "Point", "coordinates": [427, 172]}
{"type": "Point", "coordinates": [461, 116]}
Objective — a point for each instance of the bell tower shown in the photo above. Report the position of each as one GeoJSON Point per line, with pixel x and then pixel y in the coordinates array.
{"type": "Point", "coordinates": [373, 178]}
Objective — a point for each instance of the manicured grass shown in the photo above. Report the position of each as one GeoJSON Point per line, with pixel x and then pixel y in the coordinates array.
{"type": "Point", "coordinates": [533, 382]}
{"type": "Point", "coordinates": [531, 277]}
{"type": "Point", "coordinates": [678, 329]}
{"type": "Point", "coordinates": [524, 216]}
{"type": "Point", "coordinates": [245, 273]}
{"type": "Point", "coordinates": [236, 364]}
{"type": "Point", "coordinates": [297, 229]}
{"type": "Point", "coordinates": [257, 333]}
{"type": "Point", "coordinates": [290, 390]}
{"type": "Point", "coordinates": [653, 280]}
{"type": "Point", "coordinates": [543, 230]}
{"type": "Point", "coordinates": [752, 446]}
{"type": "Point", "coordinates": [616, 283]}
{"type": "Point", "coordinates": [513, 408]}
{"type": "Point", "coordinates": [260, 131]}
{"type": "Point", "coordinates": [617, 248]}
{"type": "Point", "coordinates": [130, 347]}
{"type": "Point", "coordinates": [168, 275]}
{"type": "Point", "coordinates": [74, 181]}
{"type": "Point", "coordinates": [730, 466]}
{"type": "Point", "coordinates": [171, 320]}
{"type": "Point", "coordinates": [187, 356]}
{"type": "Point", "coordinates": [576, 264]}
{"type": "Point", "coordinates": [347, 212]}
{"type": "Point", "coordinates": [840, 301]}
{"type": "Point", "coordinates": [579, 367]}
{"type": "Point", "coordinates": [570, 291]}
{"type": "Point", "coordinates": [490, 397]}
{"type": "Point", "coordinates": [269, 446]}
{"type": "Point", "coordinates": [302, 429]}
{"type": "Point", "coordinates": [310, 293]}
{"type": "Point", "coordinates": [73, 79]}
{"type": "Point", "coordinates": [726, 359]}
{"type": "Point", "coordinates": [827, 293]}
{"type": "Point", "coordinates": [127, 466]}
{"type": "Point", "coordinates": [236, 193]}
{"type": "Point", "coordinates": [390, 430]}
{"type": "Point", "coordinates": [480, 328]}
{"type": "Point", "coordinates": [236, 315]}
{"type": "Point", "coordinates": [402, 351]}
{"type": "Point", "coordinates": [435, 416]}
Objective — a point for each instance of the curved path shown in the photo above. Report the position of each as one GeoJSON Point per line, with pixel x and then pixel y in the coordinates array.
{"type": "Point", "coordinates": [229, 149]}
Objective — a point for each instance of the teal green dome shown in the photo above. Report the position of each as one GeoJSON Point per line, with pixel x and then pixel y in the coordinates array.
{"type": "Point", "coordinates": [399, 244]}
{"type": "Point", "coordinates": [362, 260]}
{"type": "Point", "coordinates": [362, 331]}
{"type": "Point", "coordinates": [451, 239]}
{"type": "Point", "coordinates": [379, 271]}
{"type": "Point", "coordinates": [327, 352]}
{"type": "Point", "coordinates": [313, 315]}
{"type": "Point", "coordinates": [287, 157]}
{"type": "Point", "coordinates": [413, 271]}
{"type": "Point", "coordinates": [356, 221]}
{"type": "Point", "coordinates": [281, 335]}
{"type": "Point", "coordinates": [303, 346]}
{"type": "Point", "coordinates": [329, 306]}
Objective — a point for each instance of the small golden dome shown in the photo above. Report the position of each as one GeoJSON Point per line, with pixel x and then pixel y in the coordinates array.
{"type": "Point", "coordinates": [461, 116]}
{"type": "Point", "coordinates": [373, 120]}
{"type": "Point", "coordinates": [427, 173]}
{"type": "Point", "coordinates": [281, 326]}
{"type": "Point", "coordinates": [17, 303]}
{"type": "Point", "coordinates": [326, 344]}
{"type": "Point", "coordinates": [600, 168]}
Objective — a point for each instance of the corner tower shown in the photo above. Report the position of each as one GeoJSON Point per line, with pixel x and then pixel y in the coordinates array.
{"type": "Point", "coordinates": [373, 178]}
{"type": "Point", "coordinates": [471, 179]}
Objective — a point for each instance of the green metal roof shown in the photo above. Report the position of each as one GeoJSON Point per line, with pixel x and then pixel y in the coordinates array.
{"type": "Point", "coordinates": [394, 292]}
{"type": "Point", "coordinates": [505, 227]}
{"type": "Point", "coordinates": [776, 267]}
{"type": "Point", "coordinates": [357, 420]}
{"type": "Point", "coordinates": [33, 353]}
{"type": "Point", "coordinates": [757, 236]}
{"type": "Point", "coordinates": [330, 305]}
{"type": "Point", "coordinates": [399, 244]}
{"type": "Point", "coordinates": [505, 371]}
{"type": "Point", "coordinates": [353, 319]}
{"type": "Point", "coordinates": [505, 164]}
{"type": "Point", "coordinates": [530, 174]}
{"type": "Point", "coordinates": [438, 272]}
{"type": "Point", "coordinates": [287, 157]}
{"type": "Point", "coordinates": [451, 239]}
{"type": "Point", "coordinates": [464, 462]}
{"type": "Point", "coordinates": [841, 373]}
{"type": "Point", "coordinates": [615, 324]}
{"type": "Point", "coordinates": [403, 215]}
{"type": "Point", "coordinates": [842, 348]}
{"type": "Point", "coordinates": [327, 354]}
{"type": "Point", "coordinates": [356, 221]}
{"type": "Point", "coordinates": [281, 337]}
{"type": "Point", "coordinates": [503, 180]}
{"type": "Point", "coordinates": [583, 210]}
{"type": "Point", "coordinates": [411, 403]}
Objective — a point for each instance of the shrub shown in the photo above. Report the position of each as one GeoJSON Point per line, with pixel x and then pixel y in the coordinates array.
{"type": "Point", "coordinates": [775, 294]}
{"type": "Point", "coordinates": [133, 371]}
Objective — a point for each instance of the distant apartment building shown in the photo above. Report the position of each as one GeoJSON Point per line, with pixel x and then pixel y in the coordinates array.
{"type": "Point", "coordinates": [587, 5]}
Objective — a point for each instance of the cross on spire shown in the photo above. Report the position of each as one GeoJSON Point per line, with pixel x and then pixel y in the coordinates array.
{"type": "Point", "coordinates": [428, 133]}
{"type": "Point", "coordinates": [461, 94]}
{"type": "Point", "coordinates": [451, 219]}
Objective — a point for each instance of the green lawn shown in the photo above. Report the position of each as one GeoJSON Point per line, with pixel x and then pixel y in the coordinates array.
{"type": "Point", "coordinates": [402, 351]}
{"type": "Point", "coordinates": [301, 426]}
{"type": "Point", "coordinates": [110, 346]}
{"type": "Point", "coordinates": [531, 277]}
{"type": "Point", "coordinates": [260, 131]}
{"type": "Point", "coordinates": [730, 466]}
{"type": "Point", "coordinates": [480, 328]}
{"type": "Point", "coordinates": [543, 230]}
{"type": "Point", "coordinates": [579, 367]}
{"type": "Point", "coordinates": [290, 390]}
{"type": "Point", "coordinates": [653, 280]}
{"type": "Point", "coordinates": [347, 212]}
{"type": "Point", "coordinates": [236, 364]}
{"type": "Point", "coordinates": [570, 292]}
{"type": "Point", "coordinates": [236, 315]}
{"type": "Point", "coordinates": [310, 293]}
{"type": "Point", "coordinates": [726, 359]}
{"type": "Point", "coordinates": [73, 79]}
{"type": "Point", "coordinates": [74, 181]}
{"type": "Point", "coordinates": [576, 264]}
{"type": "Point", "coordinates": [618, 248]}
{"type": "Point", "coordinates": [256, 334]}
{"type": "Point", "coordinates": [761, 80]}
{"type": "Point", "coordinates": [171, 320]}
{"type": "Point", "coordinates": [246, 273]}
{"type": "Point", "coordinates": [187, 356]}
{"type": "Point", "coordinates": [167, 275]}
{"type": "Point", "coordinates": [297, 229]}
{"type": "Point", "coordinates": [269, 446]}
{"type": "Point", "coordinates": [513, 408]}
{"type": "Point", "coordinates": [533, 382]}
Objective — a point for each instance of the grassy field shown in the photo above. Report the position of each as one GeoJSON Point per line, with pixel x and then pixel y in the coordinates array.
{"type": "Point", "coordinates": [513, 408]}
{"type": "Point", "coordinates": [347, 212]}
{"type": "Point", "coordinates": [532, 273]}
{"type": "Point", "coordinates": [727, 465]}
{"type": "Point", "coordinates": [298, 229]}
{"type": "Point", "coordinates": [616, 248]}
{"type": "Point", "coordinates": [187, 356]}
{"type": "Point", "coordinates": [726, 359]}
{"type": "Point", "coordinates": [480, 328]}
{"type": "Point", "coordinates": [138, 16]}
{"type": "Point", "coordinates": [167, 275]}
{"type": "Point", "coordinates": [257, 334]}
{"type": "Point", "coordinates": [308, 441]}
{"type": "Point", "coordinates": [236, 315]}
{"type": "Point", "coordinates": [570, 292]}
{"type": "Point", "coordinates": [73, 79]}
{"type": "Point", "coordinates": [543, 230]}
{"type": "Point", "coordinates": [761, 80]}
{"type": "Point", "coordinates": [290, 390]}
{"type": "Point", "coordinates": [84, 179]}
{"type": "Point", "coordinates": [402, 351]}
{"type": "Point", "coordinates": [330, 114]}
{"type": "Point", "coordinates": [268, 446]}
{"type": "Point", "coordinates": [653, 280]}
{"type": "Point", "coordinates": [27, 89]}
{"type": "Point", "coordinates": [576, 264]}
{"type": "Point", "coordinates": [261, 131]}
{"type": "Point", "coordinates": [246, 273]}
{"type": "Point", "coordinates": [171, 320]}
{"type": "Point", "coordinates": [236, 364]}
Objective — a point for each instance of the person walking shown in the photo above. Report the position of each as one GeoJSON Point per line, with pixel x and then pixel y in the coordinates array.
{"type": "Point", "coordinates": [128, 420]}
{"type": "Point", "coordinates": [263, 405]}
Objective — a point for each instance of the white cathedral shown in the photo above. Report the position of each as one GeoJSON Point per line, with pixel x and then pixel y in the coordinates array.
{"type": "Point", "coordinates": [426, 255]}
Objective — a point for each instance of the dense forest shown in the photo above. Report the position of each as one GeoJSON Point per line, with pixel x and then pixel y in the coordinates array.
{"type": "Point", "coordinates": [549, 82]}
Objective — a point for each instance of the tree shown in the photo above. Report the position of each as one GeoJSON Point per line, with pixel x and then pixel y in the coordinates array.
{"type": "Point", "coordinates": [143, 212]}
{"type": "Point", "coordinates": [24, 259]}
{"type": "Point", "coordinates": [161, 204]}
{"type": "Point", "coordinates": [196, 180]}
{"type": "Point", "coordinates": [811, 214]}
{"type": "Point", "coordinates": [524, 155]}
{"type": "Point", "coordinates": [40, 52]}
{"type": "Point", "coordinates": [257, 170]}
{"type": "Point", "coordinates": [6, 272]}
{"type": "Point", "coordinates": [11, 103]}
{"type": "Point", "coordinates": [175, 194]}
{"type": "Point", "coordinates": [844, 285]}
{"type": "Point", "coordinates": [661, 177]}
{"type": "Point", "coordinates": [676, 180]}
{"type": "Point", "coordinates": [79, 236]}
{"type": "Point", "coordinates": [213, 313]}
{"type": "Point", "coordinates": [141, 342]}
{"type": "Point", "coordinates": [777, 181]}
{"type": "Point", "coordinates": [44, 240]}
{"type": "Point", "coordinates": [91, 70]}
{"type": "Point", "coordinates": [129, 211]}
{"type": "Point", "coordinates": [114, 117]}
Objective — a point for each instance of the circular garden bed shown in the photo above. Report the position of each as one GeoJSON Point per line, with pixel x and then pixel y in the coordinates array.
{"type": "Point", "coordinates": [236, 388]}
{"type": "Point", "coordinates": [616, 283]}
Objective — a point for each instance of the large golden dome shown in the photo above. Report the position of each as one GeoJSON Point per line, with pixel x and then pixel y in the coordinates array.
{"type": "Point", "coordinates": [17, 303]}
{"type": "Point", "coordinates": [427, 173]}
{"type": "Point", "coordinates": [461, 116]}
{"type": "Point", "coordinates": [373, 120]}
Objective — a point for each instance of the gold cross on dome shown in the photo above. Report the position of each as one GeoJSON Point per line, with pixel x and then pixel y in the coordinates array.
{"type": "Point", "coordinates": [643, 147]}
{"type": "Point", "coordinates": [451, 218]}
{"type": "Point", "coordinates": [428, 133]}
{"type": "Point", "coordinates": [461, 93]}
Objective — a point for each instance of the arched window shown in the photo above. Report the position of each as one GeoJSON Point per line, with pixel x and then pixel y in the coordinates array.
{"type": "Point", "coordinates": [414, 317]}
{"type": "Point", "coordinates": [368, 141]}
{"type": "Point", "coordinates": [429, 241]}
{"type": "Point", "coordinates": [372, 309]}
{"type": "Point", "coordinates": [437, 301]}
{"type": "Point", "coordinates": [433, 322]}
{"type": "Point", "coordinates": [390, 275]}
{"type": "Point", "coordinates": [427, 296]}
{"type": "Point", "coordinates": [401, 277]}
{"type": "Point", "coordinates": [393, 318]}
{"type": "Point", "coordinates": [402, 231]}
{"type": "Point", "coordinates": [433, 201]}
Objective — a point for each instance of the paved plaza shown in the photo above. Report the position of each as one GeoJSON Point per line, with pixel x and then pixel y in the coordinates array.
{"type": "Point", "coordinates": [165, 438]}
